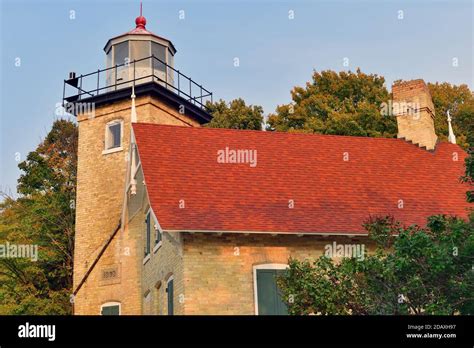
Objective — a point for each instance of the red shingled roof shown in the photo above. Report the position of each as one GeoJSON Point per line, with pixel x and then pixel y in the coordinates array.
{"type": "Point", "coordinates": [330, 195]}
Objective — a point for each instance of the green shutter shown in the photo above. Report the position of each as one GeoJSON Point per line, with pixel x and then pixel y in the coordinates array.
{"type": "Point", "coordinates": [111, 310]}
{"type": "Point", "coordinates": [269, 298]}
{"type": "Point", "coordinates": [170, 291]}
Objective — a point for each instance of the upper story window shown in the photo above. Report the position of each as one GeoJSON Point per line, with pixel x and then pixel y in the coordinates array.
{"type": "Point", "coordinates": [152, 231]}
{"type": "Point", "coordinates": [113, 136]}
{"type": "Point", "coordinates": [158, 236]}
{"type": "Point", "coordinates": [148, 233]}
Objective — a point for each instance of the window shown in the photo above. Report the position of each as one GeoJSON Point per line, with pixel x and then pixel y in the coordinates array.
{"type": "Point", "coordinates": [148, 233]}
{"type": "Point", "coordinates": [110, 308]}
{"type": "Point", "coordinates": [139, 50]}
{"type": "Point", "coordinates": [109, 59]}
{"type": "Point", "coordinates": [152, 228]}
{"type": "Point", "coordinates": [170, 71]}
{"type": "Point", "coordinates": [113, 136]}
{"type": "Point", "coordinates": [121, 53]}
{"type": "Point", "coordinates": [159, 52]}
{"type": "Point", "coordinates": [170, 292]}
{"type": "Point", "coordinates": [268, 300]}
{"type": "Point", "coordinates": [157, 234]}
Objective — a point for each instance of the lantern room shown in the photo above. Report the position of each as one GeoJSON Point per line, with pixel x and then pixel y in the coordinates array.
{"type": "Point", "coordinates": [140, 56]}
{"type": "Point", "coordinates": [138, 62]}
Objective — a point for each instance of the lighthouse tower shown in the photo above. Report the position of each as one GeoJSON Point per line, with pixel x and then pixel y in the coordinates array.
{"type": "Point", "coordinates": [139, 63]}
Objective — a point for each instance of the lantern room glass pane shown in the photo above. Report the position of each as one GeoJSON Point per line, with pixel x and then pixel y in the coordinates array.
{"type": "Point", "coordinates": [109, 73]}
{"type": "Point", "coordinates": [121, 53]}
{"type": "Point", "coordinates": [139, 50]}
{"type": "Point", "coordinates": [170, 71]}
{"type": "Point", "coordinates": [109, 58]}
{"type": "Point", "coordinates": [159, 52]}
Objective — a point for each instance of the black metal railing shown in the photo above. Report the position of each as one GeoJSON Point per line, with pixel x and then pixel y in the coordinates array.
{"type": "Point", "coordinates": [149, 69]}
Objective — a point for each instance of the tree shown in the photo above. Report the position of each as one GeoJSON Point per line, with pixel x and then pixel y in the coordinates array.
{"type": "Point", "coordinates": [420, 271]}
{"type": "Point", "coordinates": [235, 115]}
{"type": "Point", "coordinates": [347, 103]}
{"type": "Point", "coordinates": [42, 216]}
{"type": "Point", "coordinates": [469, 177]}
{"type": "Point", "coordinates": [343, 103]}
{"type": "Point", "coordinates": [460, 101]}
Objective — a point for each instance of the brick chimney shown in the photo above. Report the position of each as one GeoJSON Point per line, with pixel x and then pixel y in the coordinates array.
{"type": "Point", "coordinates": [414, 109]}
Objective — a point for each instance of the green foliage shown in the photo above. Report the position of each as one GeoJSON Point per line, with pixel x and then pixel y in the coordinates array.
{"type": "Point", "coordinates": [469, 177]}
{"type": "Point", "coordinates": [382, 230]}
{"type": "Point", "coordinates": [425, 271]}
{"type": "Point", "coordinates": [348, 103]}
{"type": "Point", "coordinates": [43, 215]}
{"type": "Point", "coordinates": [343, 103]}
{"type": "Point", "coordinates": [460, 101]}
{"type": "Point", "coordinates": [235, 115]}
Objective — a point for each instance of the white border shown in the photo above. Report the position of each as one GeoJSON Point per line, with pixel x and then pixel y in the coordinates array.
{"type": "Point", "coordinates": [109, 304]}
{"type": "Point", "coordinates": [299, 234]}
{"type": "Point", "coordinates": [263, 266]}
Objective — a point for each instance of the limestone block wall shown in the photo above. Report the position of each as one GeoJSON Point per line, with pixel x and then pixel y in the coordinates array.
{"type": "Point", "coordinates": [218, 269]}
{"type": "Point", "coordinates": [99, 204]}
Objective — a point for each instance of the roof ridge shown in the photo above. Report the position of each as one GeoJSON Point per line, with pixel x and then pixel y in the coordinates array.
{"type": "Point", "coordinates": [291, 134]}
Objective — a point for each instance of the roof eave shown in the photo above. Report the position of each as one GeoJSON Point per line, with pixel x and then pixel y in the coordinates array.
{"type": "Point", "coordinates": [296, 233]}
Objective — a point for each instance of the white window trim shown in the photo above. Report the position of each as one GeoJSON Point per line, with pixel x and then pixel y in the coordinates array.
{"type": "Point", "coordinates": [157, 246]}
{"type": "Point", "coordinates": [147, 258]}
{"type": "Point", "coordinates": [157, 228]}
{"type": "Point", "coordinates": [264, 266]}
{"type": "Point", "coordinates": [109, 304]}
{"type": "Point", "coordinates": [113, 149]}
{"type": "Point", "coordinates": [135, 170]}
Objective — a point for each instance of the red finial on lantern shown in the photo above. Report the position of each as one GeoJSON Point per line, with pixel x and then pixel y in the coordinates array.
{"type": "Point", "coordinates": [140, 21]}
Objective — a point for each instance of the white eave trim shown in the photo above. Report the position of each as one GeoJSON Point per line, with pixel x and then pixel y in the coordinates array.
{"type": "Point", "coordinates": [326, 234]}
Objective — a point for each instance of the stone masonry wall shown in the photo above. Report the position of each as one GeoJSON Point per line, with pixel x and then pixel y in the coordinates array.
{"type": "Point", "coordinates": [418, 127]}
{"type": "Point", "coordinates": [218, 269]}
{"type": "Point", "coordinates": [99, 204]}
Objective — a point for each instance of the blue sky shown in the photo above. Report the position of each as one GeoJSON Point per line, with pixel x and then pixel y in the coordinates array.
{"type": "Point", "coordinates": [275, 52]}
